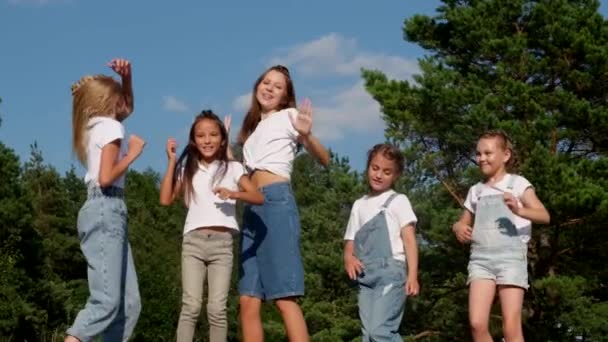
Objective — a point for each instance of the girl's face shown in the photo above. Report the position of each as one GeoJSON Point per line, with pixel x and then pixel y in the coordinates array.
{"type": "Point", "coordinates": [272, 91]}
{"type": "Point", "coordinates": [491, 156]}
{"type": "Point", "coordinates": [381, 173]}
{"type": "Point", "coordinates": [208, 139]}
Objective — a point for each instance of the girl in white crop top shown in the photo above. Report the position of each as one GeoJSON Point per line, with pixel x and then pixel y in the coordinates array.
{"type": "Point", "coordinates": [210, 185]}
{"type": "Point", "coordinates": [271, 134]}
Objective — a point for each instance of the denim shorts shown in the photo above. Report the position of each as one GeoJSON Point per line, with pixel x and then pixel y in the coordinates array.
{"type": "Point", "coordinates": [506, 266]}
{"type": "Point", "coordinates": [270, 260]}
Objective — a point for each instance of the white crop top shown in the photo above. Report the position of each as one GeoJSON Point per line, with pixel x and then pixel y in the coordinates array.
{"type": "Point", "coordinates": [273, 144]}
{"type": "Point", "coordinates": [206, 209]}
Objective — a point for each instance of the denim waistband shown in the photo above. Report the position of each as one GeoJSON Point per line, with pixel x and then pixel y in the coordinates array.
{"type": "Point", "coordinates": [110, 191]}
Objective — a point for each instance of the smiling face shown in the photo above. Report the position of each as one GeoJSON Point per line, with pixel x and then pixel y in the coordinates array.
{"type": "Point", "coordinates": [208, 139]}
{"type": "Point", "coordinates": [492, 156]}
{"type": "Point", "coordinates": [272, 91]}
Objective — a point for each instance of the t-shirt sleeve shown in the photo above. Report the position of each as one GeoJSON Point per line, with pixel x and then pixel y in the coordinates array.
{"type": "Point", "coordinates": [471, 201]}
{"type": "Point", "coordinates": [353, 223]}
{"type": "Point", "coordinates": [520, 185]}
{"type": "Point", "coordinates": [108, 131]}
{"type": "Point", "coordinates": [238, 170]}
{"type": "Point", "coordinates": [402, 210]}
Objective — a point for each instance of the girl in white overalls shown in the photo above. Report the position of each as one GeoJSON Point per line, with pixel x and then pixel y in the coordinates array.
{"type": "Point", "coordinates": [380, 237]}
{"type": "Point", "coordinates": [501, 210]}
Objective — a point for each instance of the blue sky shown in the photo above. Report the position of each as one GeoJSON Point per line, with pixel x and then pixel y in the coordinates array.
{"type": "Point", "coordinates": [190, 55]}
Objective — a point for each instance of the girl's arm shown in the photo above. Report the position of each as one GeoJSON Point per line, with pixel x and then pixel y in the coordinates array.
{"type": "Point", "coordinates": [123, 68]}
{"type": "Point", "coordinates": [167, 192]}
{"type": "Point", "coordinates": [249, 194]}
{"type": "Point", "coordinates": [109, 168]}
{"type": "Point", "coordinates": [532, 208]}
{"type": "Point", "coordinates": [410, 245]}
{"type": "Point", "coordinates": [352, 265]}
{"type": "Point", "coordinates": [463, 228]}
{"type": "Point", "coordinates": [314, 146]}
{"type": "Point", "coordinates": [303, 125]}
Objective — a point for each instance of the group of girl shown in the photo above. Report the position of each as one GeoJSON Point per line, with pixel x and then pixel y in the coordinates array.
{"type": "Point", "coordinates": [380, 250]}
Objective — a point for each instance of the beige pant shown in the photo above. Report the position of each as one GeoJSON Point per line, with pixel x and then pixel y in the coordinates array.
{"type": "Point", "coordinates": [205, 254]}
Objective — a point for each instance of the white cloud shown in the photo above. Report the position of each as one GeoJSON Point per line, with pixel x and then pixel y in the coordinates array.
{"type": "Point", "coordinates": [351, 110]}
{"type": "Point", "coordinates": [172, 104]}
{"type": "Point", "coordinates": [335, 54]}
{"type": "Point", "coordinates": [241, 103]}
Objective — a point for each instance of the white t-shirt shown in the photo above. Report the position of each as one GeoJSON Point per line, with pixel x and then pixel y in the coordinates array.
{"type": "Point", "coordinates": [206, 209]}
{"type": "Point", "coordinates": [398, 215]}
{"type": "Point", "coordinates": [100, 132]}
{"type": "Point", "coordinates": [520, 184]}
{"type": "Point", "coordinates": [272, 146]}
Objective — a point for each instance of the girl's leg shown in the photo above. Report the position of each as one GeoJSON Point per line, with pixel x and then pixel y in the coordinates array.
{"type": "Point", "coordinates": [481, 296]}
{"type": "Point", "coordinates": [511, 302]}
{"type": "Point", "coordinates": [220, 272]}
{"type": "Point", "coordinates": [194, 270]}
{"type": "Point", "coordinates": [251, 319]}
{"type": "Point", "coordinates": [365, 301]}
{"type": "Point", "coordinates": [125, 325]}
{"type": "Point", "coordinates": [103, 240]}
{"type": "Point", "coordinates": [293, 318]}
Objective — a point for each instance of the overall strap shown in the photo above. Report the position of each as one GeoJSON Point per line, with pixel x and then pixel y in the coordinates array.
{"type": "Point", "coordinates": [511, 182]}
{"type": "Point", "coordinates": [389, 200]}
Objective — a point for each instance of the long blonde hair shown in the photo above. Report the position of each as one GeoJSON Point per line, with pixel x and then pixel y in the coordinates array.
{"type": "Point", "coordinates": [93, 95]}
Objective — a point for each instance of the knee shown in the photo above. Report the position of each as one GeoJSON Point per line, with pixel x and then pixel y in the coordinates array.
{"type": "Point", "coordinates": [133, 308]}
{"type": "Point", "coordinates": [216, 314]}
{"type": "Point", "coordinates": [249, 308]}
{"type": "Point", "coordinates": [286, 304]}
{"type": "Point", "coordinates": [380, 333]}
{"type": "Point", "coordinates": [479, 327]}
{"type": "Point", "coordinates": [191, 307]}
{"type": "Point", "coordinates": [511, 327]}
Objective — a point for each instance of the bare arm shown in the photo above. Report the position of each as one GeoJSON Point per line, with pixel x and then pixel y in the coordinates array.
{"type": "Point", "coordinates": [167, 191]}
{"type": "Point", "coordinates": [352, 265]}
{"type": "Point", "coordinates": [250, 193]}
{"type": "Point", "coordinates": [109, 168]}
{"type": "Point", "coordinates": [532, 208]}
{"type": "Point", "coordinates": [463, 227]}
{"type": "Point", "coordinates": [410, 245]}
{"type": "Point", "coordinates": [314, 147]}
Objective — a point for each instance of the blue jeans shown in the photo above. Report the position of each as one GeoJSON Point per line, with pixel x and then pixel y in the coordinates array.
{"type": "Point", "coordinates": [270, 261]}
{"type": "Point", "coordinates": [382, 299]}
{"type": "Point", "coordinates": [113, 306]}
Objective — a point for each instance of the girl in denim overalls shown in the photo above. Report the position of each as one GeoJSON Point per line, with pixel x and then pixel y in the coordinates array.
{"type": "Point", "coordinates": [100, 105]}
{"type": "Point", "coordinates": [497, 222]}
{"type": "Point", "coordinates": [379, 240]}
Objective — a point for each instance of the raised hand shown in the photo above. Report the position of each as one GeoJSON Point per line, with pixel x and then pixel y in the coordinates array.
{"type": "Point", "coordinates": [136, 146]}
{"type": "Point", "coordinates": [228, 122]}
{"type": "Point", "coordinates": [171, 149]}
{"type": "Point", "coordinates": [303, 121]}
{"type": "Point", "coordinates": [120, 66]}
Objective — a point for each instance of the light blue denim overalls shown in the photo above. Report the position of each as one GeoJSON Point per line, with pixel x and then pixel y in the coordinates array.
{"type": "Point", "coordinates": [382, 281]}
{"type": "Point", "coordinates": [497, 251]}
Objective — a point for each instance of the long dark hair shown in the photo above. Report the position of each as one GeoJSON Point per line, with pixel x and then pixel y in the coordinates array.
{"type": "Point", "coordinates": [188, 162]}
{"type": "Point", "coordinates": [254, 114]}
